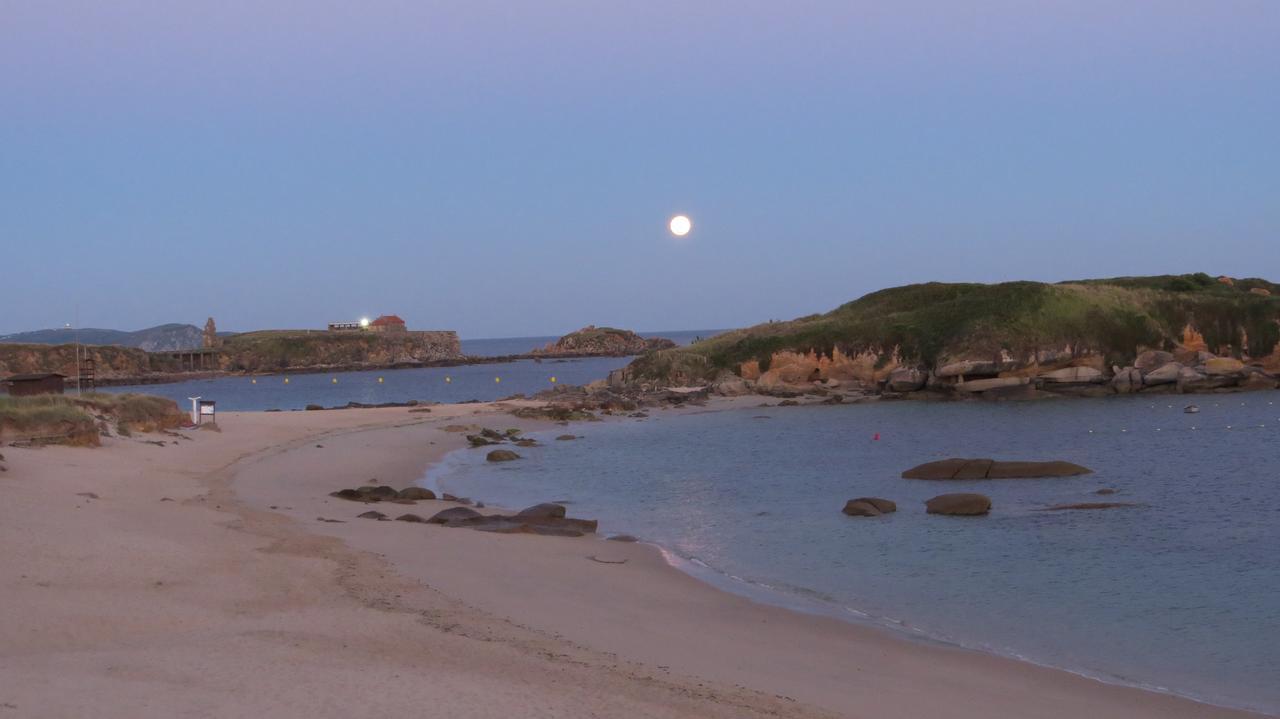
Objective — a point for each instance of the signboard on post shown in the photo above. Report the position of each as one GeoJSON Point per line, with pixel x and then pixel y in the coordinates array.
{"type": "Point", "coordinates": [207, 410]}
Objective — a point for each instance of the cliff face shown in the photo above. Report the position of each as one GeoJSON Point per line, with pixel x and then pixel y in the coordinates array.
{"type": "Point", "coordinates": [1092, 336]}
{"type": "Point", "coordinates": [274, 351]}
{"type": "Point", "coordinates": [111, 362]}
{"type": "Point", "coordinates": [592, 341]}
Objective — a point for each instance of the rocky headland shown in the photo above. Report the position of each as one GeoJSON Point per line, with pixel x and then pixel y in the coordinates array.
{"type": "Point", "coordinates": [592, 341]}
{"type": "Point", "coordinates": [1016, 340]}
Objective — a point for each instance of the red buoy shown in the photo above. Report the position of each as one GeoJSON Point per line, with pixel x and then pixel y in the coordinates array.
{"type": "Point", "coordinates": [877, 437]}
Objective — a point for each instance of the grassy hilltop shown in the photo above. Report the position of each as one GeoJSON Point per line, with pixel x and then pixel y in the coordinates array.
{"type": "Point", "coordinates": [926, 325]}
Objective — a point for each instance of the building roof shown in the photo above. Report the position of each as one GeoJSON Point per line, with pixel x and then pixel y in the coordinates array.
{"type": "Point", "coordinates": [32, 377]}
{"type": "Point", "coordinates": [387, 320]}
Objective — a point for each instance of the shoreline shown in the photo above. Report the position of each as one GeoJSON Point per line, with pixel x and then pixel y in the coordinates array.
{"type": "Point", "coordinates": [643, 635]}
{"type": "Point", "coordinates": [817, 605]}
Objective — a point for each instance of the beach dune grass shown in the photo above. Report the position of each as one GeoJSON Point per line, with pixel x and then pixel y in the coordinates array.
{"type": "Point", "coordinates": [74, 420]}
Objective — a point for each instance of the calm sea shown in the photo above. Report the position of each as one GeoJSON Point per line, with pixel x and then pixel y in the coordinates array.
{"type": "Point", "coordinates": [434, 384]}
{"type": "Point", "coordinates": [1180, 594]}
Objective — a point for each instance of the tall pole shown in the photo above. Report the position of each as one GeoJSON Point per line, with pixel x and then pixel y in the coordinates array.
{"type": "Point", "coordinates": [76, 318]}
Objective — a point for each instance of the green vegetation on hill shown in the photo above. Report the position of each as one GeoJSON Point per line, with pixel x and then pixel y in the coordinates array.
{"type": "Point", "coordinates": [273, 350]}
{"type": "Point", "coordinates": [932, 322]}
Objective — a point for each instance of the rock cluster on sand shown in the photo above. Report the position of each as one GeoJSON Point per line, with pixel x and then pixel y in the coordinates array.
{"type": "Point", "coordinates": [544, 519]}
{"type": "Point", "coordinates": [384, 493]}
{"type": "Point", "coordinates": [957, 468]}
{"type": "Point", "coordinates": [962, 504]}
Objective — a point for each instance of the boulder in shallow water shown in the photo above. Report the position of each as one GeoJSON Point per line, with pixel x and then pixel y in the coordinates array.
{"type": "Point", "coordinates": [957, 468]}
{"type": "Point", "coordinates": [566, 437]}
{"type": "Point", "coordinates": [962, 504]}
{"type": "Point", "coordinates": [410, 518]}
{"type": "Point", "coordinates": [502, 455]}
{"type": "Point", "coordinates": [1034, 470]}
{"type": "Point", "coordinates": [623, 538]}
{"type": "Point", "coordinates": [869, 507]}
{"type": "Point", "coordinates": [371, 514]}
{"type": "Point", "coordinates": [860, 509]}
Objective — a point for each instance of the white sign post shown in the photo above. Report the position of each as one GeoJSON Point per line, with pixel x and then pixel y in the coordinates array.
{"type": "Point", "coordinates": [195, 410]}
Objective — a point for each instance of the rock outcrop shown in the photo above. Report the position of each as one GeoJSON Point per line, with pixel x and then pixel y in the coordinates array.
{"type": "Point", "coordinates": [592, 341]}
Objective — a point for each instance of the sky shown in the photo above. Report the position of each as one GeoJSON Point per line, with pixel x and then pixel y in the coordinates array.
{"type": "Point", "coordinates": [509, 168]}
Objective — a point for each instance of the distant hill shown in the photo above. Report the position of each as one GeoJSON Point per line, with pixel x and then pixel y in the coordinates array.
{"type": "Point", "coordinates": [153, 339]}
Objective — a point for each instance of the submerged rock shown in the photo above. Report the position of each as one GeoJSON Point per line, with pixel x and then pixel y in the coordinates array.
{"type": "Point", "coordinates": [410, 518]}
{"type": "Point", "coordinates": [566, 437]}
{"type": "Point", "coordinates": [371, 514]}
{"type": "Point", "coordinates": [502, 455]}
{"type": "Point", "coordinates": [961, 504]}
{"type": "Point", "coordinates": [1087, 505]}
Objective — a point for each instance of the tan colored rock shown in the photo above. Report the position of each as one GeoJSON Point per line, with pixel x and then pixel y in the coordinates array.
{"type": "Point", "coordinates": [964, 367]}
{"type": "Point", "coordinates": [1264, 292]}
{"type": "Point", "coordinates": [869, 507]}
{"type": "Point", "coordinates": [1152, 360]}
{"type": "Point", "coordinates": [906, 379]}
{"type": "Point", "coordinates": [1222, 366]}
{"type": "Point", "coordinates": [1127, 380]}
{"type": "Point", "coordinates": [1073, 375]}
{"type": "Point", "coordinates": [854, 508]}
{"type": "Point", "coordinates": [961, 504]}
{"type": "Point", "coordinates": [1167, 373]}
{"type": "Point", "coordinates": [983, 385]}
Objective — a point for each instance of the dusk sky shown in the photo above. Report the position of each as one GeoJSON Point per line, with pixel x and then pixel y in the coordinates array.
{"type": "Point", "coordinates": [508, 168]}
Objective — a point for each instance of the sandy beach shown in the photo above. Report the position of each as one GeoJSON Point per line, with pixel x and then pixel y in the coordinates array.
{"type": "Point", "coordinates": [198, 578]}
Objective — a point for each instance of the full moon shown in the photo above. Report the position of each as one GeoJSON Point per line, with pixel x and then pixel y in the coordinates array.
{"type": "Point", "coordinates": [680, 225]}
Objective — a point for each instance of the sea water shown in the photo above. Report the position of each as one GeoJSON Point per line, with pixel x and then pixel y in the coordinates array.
{"type": "Point", "coordinates": [1180, 594]}
{"type": "Point", "coordinates": [483, 382]}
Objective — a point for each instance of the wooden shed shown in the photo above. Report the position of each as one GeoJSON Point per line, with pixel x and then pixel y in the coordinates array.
{"type": "Point", "coordinates": [25, 385]}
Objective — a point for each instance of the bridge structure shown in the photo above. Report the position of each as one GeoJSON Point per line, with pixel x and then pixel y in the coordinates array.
{"type": "Point", "coordinates": [194, 360]}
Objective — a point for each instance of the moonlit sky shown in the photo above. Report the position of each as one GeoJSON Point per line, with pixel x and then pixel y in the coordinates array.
{"type": "Point", "coordinates": [507, 168]}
